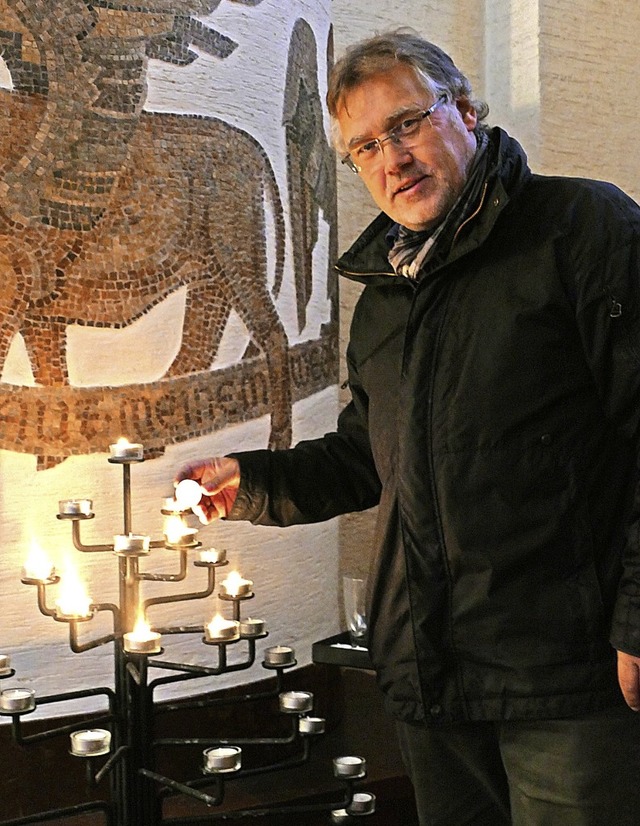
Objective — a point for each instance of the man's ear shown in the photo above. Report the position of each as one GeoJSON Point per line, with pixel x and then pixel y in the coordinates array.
{"type": "Point", "coordinates": [467, 112]}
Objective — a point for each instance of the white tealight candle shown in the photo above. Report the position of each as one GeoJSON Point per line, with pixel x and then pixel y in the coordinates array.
{"type": "Point", "coordinates": [90, 742]}
{"type": "Point", "coordinates": [222, 759]}
{"type": "Point", "coordinates": [38, 567]}
{"type": "Point", "coordinates": [349, 766]}
{"type": "Point", "coordinates": [298, 702]}
{"type": "Point", "coordinates": [131, 543]}
{"type": "Point", "coordinates": [212, 556]}
{"type": "Point", "coordinates": [5, 665]}
{"type": "Point", "coordinates": [251, 627]}
{"type": "Point", "coordinates": [74, 608]}
{"type": "Point", "coordinates": [235, 586]}
{"type": "Point", "coordinates": [362, 803]}
{"type": "Point", "coordinates": [311, 725]}
{"type": "Point", "coordinates": [188, 494]}
{"type": "Point", "coordinates": [124, 450]}
{"type": "Point", "coordinates": [38, 573]}
{"type": "Point", "coordinates": [279, 655]}
{"type": "Point", "coordinates": [17, 700]}
{"type": "Point", "coordinates": [75, 507]}
{"type": "Point", "coordinates": [222, 630]}
{"type": "Point", "coordinates": [185, 539]}
{"type": "Point", "coordinates": [142, 642]}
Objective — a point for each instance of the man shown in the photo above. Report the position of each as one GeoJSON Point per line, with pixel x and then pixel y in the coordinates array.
{"type": "Point", "coordinates": [495, 418]}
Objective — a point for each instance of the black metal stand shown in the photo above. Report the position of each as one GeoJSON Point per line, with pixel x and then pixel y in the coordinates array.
{"type": "Point", "coordinates": [128, 764]}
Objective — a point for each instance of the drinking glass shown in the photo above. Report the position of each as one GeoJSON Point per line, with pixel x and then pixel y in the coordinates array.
{"type": "Point", "coordinates": [354, 592]}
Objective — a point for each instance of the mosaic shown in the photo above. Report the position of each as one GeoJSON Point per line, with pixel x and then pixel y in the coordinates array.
{"type": "Point", "coordinates": [106, 209]}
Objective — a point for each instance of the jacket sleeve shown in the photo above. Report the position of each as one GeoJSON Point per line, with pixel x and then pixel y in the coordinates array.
{"type": "Point", "coordinates": [608, 313]}
{"type": "Point", "coordinates": [313, 481]}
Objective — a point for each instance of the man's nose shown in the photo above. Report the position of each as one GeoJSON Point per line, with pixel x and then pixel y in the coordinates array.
{"type": "Point", "coordinates": [395, 155]}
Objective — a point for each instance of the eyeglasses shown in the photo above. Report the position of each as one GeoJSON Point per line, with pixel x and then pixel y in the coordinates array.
{"type": "Point", "coordinates": [366, 156]}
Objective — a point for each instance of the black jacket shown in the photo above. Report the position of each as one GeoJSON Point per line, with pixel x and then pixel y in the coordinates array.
{"type": "Point", "coordinates": [495, 418]}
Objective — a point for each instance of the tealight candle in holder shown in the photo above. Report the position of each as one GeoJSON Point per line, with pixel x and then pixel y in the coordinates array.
{"type": "Point", "coordinates": [131, 544]}
{"type": "Point", "coordinates": [185, 539]}
{"type": "Point", "coordinates": [296, 702]}
{"type": "Point", "coordinates": [5, 665]}
{"type": "Point", "coordinates": [362, 803]}
{"type": "Point", "coordinates": [222, 630]}
{"type": "Point", "coordinates": [349, 766]}
{"type": "Point", "coordinates": [125, 451]}
{"type": "Point", "coordinates": [177, 534]}
{"type": "Point", "coordinates": [252, 627]}
{"type": "Point", "coordinates": [75, 507]}
{"type": "Point", "coordinates": [222, 759]}
{"type": "Point", "coordinates": [235, 586]}
{"type": "Point", "coordinates": [41, 572]}
{"type": "Point", "coordinates": [311, 725]}
{"type": "Point", "coordinates": [142, 641]}
{"type": "Point", "coordinates": [73, 607]}
{"type": "Point", "coordinates": [17, 700]}
{"type": "Point", "coordinates": [212, 556]}
{"type": "Point", "coordinates": [37, 566]}
{"type": "Point", "coordinates": [279, 655]}
{"type": "Point", "coordinates": [90, 742]}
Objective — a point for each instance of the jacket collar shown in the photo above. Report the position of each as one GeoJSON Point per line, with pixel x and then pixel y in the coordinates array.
{"type": "Point", "coordinates": [366, 260]}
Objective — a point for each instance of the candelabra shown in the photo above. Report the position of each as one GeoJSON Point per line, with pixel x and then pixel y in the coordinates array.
{"type": "Point", "coordinates": [120, 745]}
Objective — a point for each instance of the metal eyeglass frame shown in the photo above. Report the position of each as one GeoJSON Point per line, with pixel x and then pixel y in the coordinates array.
{"type": "Point", "coordinates": [394, 134]}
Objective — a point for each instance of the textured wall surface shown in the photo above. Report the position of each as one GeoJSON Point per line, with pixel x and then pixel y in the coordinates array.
{"type": "Point", "coordinates": [157, 284]}
{"type": "Point", "coordinates": [590, 65]}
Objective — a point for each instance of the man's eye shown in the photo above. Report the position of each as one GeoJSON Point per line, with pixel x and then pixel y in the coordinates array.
{"type": "Point", "coordinates": [407, 126]}
{"type": "Point", "coordinates": [369, 148]}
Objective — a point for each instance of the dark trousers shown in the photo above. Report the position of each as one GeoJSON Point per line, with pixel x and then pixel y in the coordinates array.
{"type": "Point", "coordinates": [571, 772]}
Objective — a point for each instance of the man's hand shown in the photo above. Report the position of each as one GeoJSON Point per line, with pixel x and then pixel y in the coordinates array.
{"type": "Point", "coordinates": [219, 479]}
{"type": "Point", "coordinates": [629, 679]}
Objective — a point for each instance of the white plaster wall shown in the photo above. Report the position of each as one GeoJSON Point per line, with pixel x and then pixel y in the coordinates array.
{"type": "Point", "coordinates": [590, 76]}
{"type": "Point", "coordinates": [512, 70]}
{"type": "Point", "coordinates": [294, 571]}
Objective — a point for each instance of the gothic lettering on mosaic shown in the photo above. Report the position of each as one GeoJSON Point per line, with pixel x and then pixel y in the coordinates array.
{"type": "Point", "coordinates": [106, 209]}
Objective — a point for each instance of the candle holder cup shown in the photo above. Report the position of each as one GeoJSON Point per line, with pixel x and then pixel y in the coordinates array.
{"type": "Point", "coordinates": [17, 701]}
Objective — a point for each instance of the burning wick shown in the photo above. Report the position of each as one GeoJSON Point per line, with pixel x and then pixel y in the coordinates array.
{"type": "Point", "coordinates": [222, 630]}
{"type": "Point", "coordinates": [235, 586]}
{"type": "Point", "coordinates": [73, 601]}
{"type": "Point", "coordinates": [176, 533]}
{"type": "Point", "coordinates": [124, 449]}
{"type": "Point", "coordinates": [38, 566]}
{"type": "Point", "coordinates": [142, 640]}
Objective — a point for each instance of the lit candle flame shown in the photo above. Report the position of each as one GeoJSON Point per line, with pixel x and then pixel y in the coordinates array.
{"type": "Point", "coordinates": [142, 629]}
{"type": "Point", "coordinates": [174, 529]}
{"type": "Point", "coordinates": [37, 565]}
{"type": "Point", "coordinates": [73, 600]}
{"type": "Point", "coordinates": [123, 442]}
{"type": "Point", "coordinates": [234, 582]}
{"type": "Point", "coordinates": [217, 624]}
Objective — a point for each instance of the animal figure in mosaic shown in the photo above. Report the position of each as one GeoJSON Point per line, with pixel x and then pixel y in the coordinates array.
{"type": "Point", "coordinates": [184, 209]}
{"type": "Point", "coordinates": [311, 166]}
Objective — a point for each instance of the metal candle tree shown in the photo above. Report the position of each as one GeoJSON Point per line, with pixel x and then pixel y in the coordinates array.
{"type": "Point", "coordinates": [120, 745]}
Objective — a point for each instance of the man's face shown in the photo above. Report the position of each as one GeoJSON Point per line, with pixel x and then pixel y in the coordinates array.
{"type": "Point", "coordinates": [415, 185]}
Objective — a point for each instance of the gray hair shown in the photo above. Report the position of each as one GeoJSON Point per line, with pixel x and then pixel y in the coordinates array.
{"type": "Point", "coordinates": [380, 53]}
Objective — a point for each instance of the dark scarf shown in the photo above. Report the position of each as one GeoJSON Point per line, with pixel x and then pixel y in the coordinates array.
{"type": "Point", "coordinates": [411, 250]}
